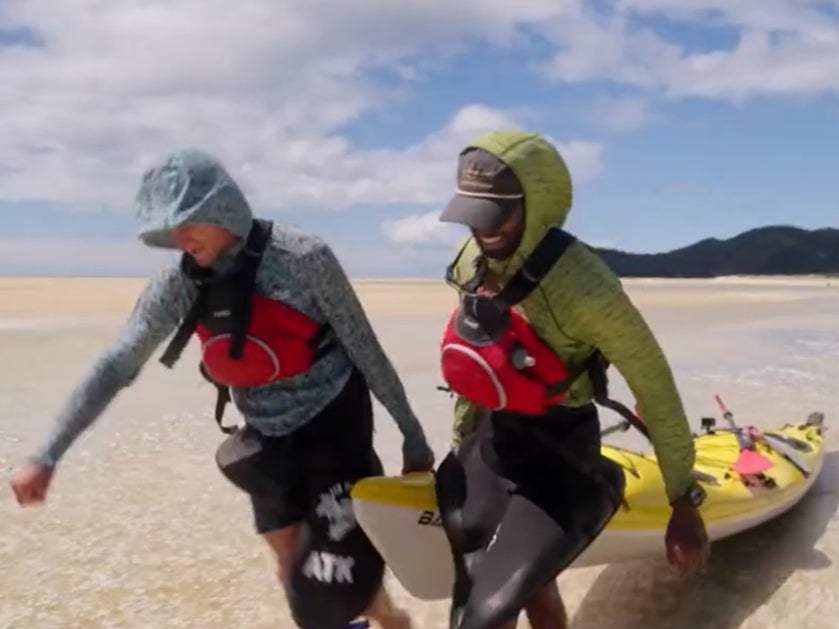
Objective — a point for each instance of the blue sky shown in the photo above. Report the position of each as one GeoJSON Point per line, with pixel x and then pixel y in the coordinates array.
{"type": "Point", "coordinates": [347, 121]}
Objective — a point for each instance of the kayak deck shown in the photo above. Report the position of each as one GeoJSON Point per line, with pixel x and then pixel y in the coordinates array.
{"type": "Point", "coordinates": [400, 516]}
{"type": "Point", "coordinates": [730, 495]}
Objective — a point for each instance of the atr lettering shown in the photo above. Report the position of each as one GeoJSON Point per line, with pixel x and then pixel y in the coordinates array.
{"type": "Point", "coordinates": [430, 518]}
{"type": "Point", "coordinates": [329, 568]}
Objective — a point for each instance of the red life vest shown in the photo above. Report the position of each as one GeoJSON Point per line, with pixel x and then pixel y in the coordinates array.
{"type": "Point", "coordinates": [491, 356]}
{"type": "Point", "coordinates": [247, 339]}
{"type": "Point", "coordinates": [515, 371]}
{"type": "Point", "coordinates": [279, 342]}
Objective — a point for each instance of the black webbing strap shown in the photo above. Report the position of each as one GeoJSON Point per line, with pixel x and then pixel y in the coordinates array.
{"type": "Point", "coordinates": [491, 312]}
{"type": "Point", "coordinates": [184, 332]}
{"type": "Point", "coordinates": [550, 249]}
{"type": "Point", "coordinates": [537, 265]}
{"type": "Point", "coordinates": [586, 367]}
{"type": "Point", "coordinates": [258, 239]}
{"type": "Point", "coordinates": [596, 367]}
{"type": "Point", "coordinates": [222, 400]}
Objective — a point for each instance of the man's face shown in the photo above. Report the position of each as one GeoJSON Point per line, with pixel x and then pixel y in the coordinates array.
{"type": "Point", "coordinates": [205, 243]}
{"type": "Point", "coordinates": [501, 242]}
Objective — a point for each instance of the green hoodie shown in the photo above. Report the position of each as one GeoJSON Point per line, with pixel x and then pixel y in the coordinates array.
{"type": "Point", "coordinates": [581, 306]}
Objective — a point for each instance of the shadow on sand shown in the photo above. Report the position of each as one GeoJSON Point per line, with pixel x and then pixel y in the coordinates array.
{"type": "Point", "coordinates": [743, 572]}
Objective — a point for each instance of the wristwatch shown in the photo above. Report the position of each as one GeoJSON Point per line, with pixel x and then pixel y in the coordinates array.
{"type": "Point", "coordinates": [694, 496]}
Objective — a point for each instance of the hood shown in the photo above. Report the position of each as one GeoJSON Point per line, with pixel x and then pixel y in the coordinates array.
{"type": "Point", "coordinates": [189, 186]}
{"type": "Point", "coordinates": [544, 176]}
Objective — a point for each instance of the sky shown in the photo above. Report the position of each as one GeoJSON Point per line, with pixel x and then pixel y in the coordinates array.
{"type": "Point", "coordinates": [346, 118]}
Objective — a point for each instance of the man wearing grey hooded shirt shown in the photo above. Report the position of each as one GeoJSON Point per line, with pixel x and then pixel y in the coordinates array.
{"type": "Point", "coordinates": [307, 435]}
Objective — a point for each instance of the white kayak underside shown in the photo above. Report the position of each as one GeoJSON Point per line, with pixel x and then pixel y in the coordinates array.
{"type": "Point", "coordinates": [415, 547]}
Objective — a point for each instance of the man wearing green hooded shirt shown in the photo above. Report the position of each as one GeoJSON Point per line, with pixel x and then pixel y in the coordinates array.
{"type": "Point", "coordinates": [517, 510]}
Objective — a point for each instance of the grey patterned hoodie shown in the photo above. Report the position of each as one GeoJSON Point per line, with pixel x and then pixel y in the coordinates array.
{"type": "Point", "coordinates": [190, 186]}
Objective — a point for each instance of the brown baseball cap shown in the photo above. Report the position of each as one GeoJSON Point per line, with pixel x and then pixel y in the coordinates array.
{"type": "Point", "coordinates": [487, 191]}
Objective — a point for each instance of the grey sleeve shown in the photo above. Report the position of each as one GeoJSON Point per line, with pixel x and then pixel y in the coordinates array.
{"type": "Point", "coordinates": [161, 305]}
{"type": "Point", "coordinates": [343, 310]}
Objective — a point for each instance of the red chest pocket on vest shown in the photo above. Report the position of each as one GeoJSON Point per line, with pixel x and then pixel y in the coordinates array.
{"type": "Point", "coordinates": [513, 372]}
{"type": "Point", "coordinates": [277, 345]}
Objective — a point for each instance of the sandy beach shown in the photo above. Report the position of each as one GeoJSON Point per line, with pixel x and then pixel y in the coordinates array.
{"type": "Point", "coordinates": [140, 530]}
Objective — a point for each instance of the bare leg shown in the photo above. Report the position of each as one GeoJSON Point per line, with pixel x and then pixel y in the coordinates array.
{"type": "Point", "coordinates": [382, 610]}
{"type": "Point", "coordinates": [545, 609]}
{"type": "Point", "coordinates": [284, 544]}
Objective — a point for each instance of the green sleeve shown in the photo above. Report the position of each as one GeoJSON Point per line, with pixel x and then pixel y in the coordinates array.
{"type": "Point", "coordinates": [604, 317]}
{"type": "Point", "coordinates": [466, 417]}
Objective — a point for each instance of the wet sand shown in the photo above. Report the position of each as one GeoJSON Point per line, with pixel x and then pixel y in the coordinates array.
{"type": "Point", "coordinates": [140, 530]}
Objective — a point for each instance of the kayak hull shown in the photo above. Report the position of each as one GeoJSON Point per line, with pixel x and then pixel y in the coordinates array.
{"type": "Point", "coordinates": [399, 513]}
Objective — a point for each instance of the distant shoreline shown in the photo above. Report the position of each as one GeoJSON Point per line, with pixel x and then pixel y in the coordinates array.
{"type": "Point", "coordinates": [87, 300]}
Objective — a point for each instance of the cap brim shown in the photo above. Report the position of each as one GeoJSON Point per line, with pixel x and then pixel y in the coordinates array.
{"type": "Point", "coordinates": [476, 212]}
{"type": "Point", "coordinates": [157, 238]}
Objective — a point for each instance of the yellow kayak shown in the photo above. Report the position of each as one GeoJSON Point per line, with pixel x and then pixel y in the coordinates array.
{"type": "Point", "coordinates": [400, 516]}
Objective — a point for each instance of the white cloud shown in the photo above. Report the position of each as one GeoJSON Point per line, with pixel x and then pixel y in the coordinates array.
{"type": "Point", "coordinates": [266, 84]}
{"type": "Point", "coordinates": [419, 229]}
{"type": "Point", "coordinates": [435, 158]}
{"type": "Point", "coordinates": [424, 173]}
{"type": "Point", "coordinates": [785, 47]}
{"type": "Point", "coordinates": [269, 84]}
{"type": "Point", "coordinates": [622, 113]}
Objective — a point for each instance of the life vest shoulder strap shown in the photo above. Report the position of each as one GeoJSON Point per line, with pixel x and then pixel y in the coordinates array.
{"type": "Point", "coordinates": [492, 312]}
{"type": "Point", "coordinates": [535, 267]}
{"type": "Point", "coordinates": [252, 252]}
{"type": "Point", "coordinates": [255, 245]}
{"type": "Point", "coordinates": [258, 239]}
{"type": "Point", "coordinates": [547, 252]}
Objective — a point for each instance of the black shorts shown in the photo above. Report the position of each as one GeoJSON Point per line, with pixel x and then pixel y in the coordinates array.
{"type": "Point", "coordinates": [305, 478]}
{"type": "Point", "coordinates": [520, 500]}
{"type": "Point", "coordinates": [287, 476]}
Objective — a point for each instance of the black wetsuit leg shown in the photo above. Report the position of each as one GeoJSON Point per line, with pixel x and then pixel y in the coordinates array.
{"type": "Point", "coordinates": [517, 511]}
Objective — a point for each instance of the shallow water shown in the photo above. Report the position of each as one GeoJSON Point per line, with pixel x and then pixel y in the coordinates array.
{"type": "Point", "coordinates": [141, 531]}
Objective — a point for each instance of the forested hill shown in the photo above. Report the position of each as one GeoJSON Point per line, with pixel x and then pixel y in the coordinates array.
{"type": "Point", "coordinates": [774, 250]}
